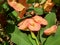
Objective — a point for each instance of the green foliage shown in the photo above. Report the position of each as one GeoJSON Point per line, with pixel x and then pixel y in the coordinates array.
{"type": "Point", "coordinates": [54, 39]}
{"type": "Point", "coordinates": [51, 17]}
{"type": "Point", "coordinates": [27, 38]}
{"type": "Point", "coordinates": [30, 1]}
{"type": "Point", "coordinates": [42, 1]}
{"type": "Point", "coordinates": [18, 37]}
{"type": "Point", "coordinates": [6, 43]}
{"type": "Point", "coordinates": [57, 2]}
{"type": "Point", "coordinates": [5, 6]}
{"type": "Point", "coordinates": [38, 11]}
{"type": "Point", "coordinates": [14, 16]}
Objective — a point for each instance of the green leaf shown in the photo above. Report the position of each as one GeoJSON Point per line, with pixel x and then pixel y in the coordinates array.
{"type": "Point", "coordinates": [30, 1]}
{"type": "Point", "coordinates": [30, 9]}
{"type": "Point", "coordinates": [19, 37]}
{"type": "Point", "coordinates": [6, 43]}
{"type": "Point", "coordinates": [54, 39]}
{"type": "Point", "coordinates": [42, 1]}
{"type": "Point", "coordinates": [38, 11]}
{"type": "Point", "coordinates": [51, 17]}
{"type": "Point", "coordinates": [33, 1]}
{"type": "Point", "coordinates": [0, 44]}
{"type": "Point", "coordinates": [14, 16]}
{"type": "Point", "coordinates": [10, 21]}
{"type": "Point", "coordinates": [15, 13]}
{"type": "Point", "coordinates": [57, 2]}
{"type": "Point", "coordinates": [1, 9]}
{"type": "Point", "coordinates": [5, 6]}
{"type": "Point", "coordinates": [10, 28]}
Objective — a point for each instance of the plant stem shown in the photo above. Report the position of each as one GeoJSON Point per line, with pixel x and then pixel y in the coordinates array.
{"type": "Point", "coordinates": [34, 37]}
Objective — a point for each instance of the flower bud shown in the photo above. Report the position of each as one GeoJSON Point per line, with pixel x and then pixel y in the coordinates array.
{"type": "Point", "coordinates": [50, 30]}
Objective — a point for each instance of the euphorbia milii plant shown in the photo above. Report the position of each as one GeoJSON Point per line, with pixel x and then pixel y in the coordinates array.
{"type": "Point", "coordinates": [33, 24]}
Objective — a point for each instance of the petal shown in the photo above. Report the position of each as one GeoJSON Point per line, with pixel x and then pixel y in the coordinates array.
{"type": "Point", "coordinates": [50, 30]}
{"type": "Point", "coordinates": [15, 5]}
{"type": "Point", "coordinates": [54, 27]}
{"type": "Point", "coordinates": [40, 20]}
{"type": "Point", "coordinates": [33, 26]}
{"type": "Point", "coordinates": [23, 25]}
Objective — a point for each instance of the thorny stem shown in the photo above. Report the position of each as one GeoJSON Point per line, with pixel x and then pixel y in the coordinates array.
{"type": "Point", "coordinates": [34, 37]}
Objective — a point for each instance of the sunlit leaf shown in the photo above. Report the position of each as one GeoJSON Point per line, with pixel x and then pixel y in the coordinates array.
{"type": "Point", "coordinates": [18, 37]}
{"type": "Point", "coordinates": [51, 18]}
{"type": "Point", "coordinates": [38, 11]}
{"type": "Point", "coordinates": [5, 6]}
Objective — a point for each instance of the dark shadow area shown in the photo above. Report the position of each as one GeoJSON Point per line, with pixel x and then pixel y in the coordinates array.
{"type": "Point", "coordinates": [45, 36]}
{"type": "Point", "coordinates": [58, 13]}
{"type": "Point", "coordinates": [10, 28]}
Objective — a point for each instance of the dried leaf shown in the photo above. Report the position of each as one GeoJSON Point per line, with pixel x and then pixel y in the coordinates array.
{"type": "Point", "coordinates": [21, 14]}
{"type": "Point", "coordinates": [23, 2]}
{"type": "Point", "coordinates": [48, 5]}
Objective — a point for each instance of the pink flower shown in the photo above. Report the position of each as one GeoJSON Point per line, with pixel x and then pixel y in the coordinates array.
{"type": "Point", "coordinates": [40, 20]}
{"type": "Point", "coordinates": [33, 26]}
{"type": "Point", "coordinates": [24, 24]}
{"type": "Point", "coordinates": [15, 5]}
{"type": "Point", "coordinates": [29, 24]}
{"type": "Point", "coordinates": [50, 30]}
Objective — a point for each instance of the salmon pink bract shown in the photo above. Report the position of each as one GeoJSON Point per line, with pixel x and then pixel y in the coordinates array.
{"type": "Point", "coordinates": [15, 5]}
{"type": "Point", "coordinates": [23, 25]}
{"type": "Point", "coordinates": [50, 30]}
{"type": "Point", "coordinates": [33, 26]}
{"type": "Point", "coordinates": [40, 20]}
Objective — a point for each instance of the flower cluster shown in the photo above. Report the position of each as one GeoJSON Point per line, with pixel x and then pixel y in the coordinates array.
{"type": "Point", "coordinates": [34, 23]}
